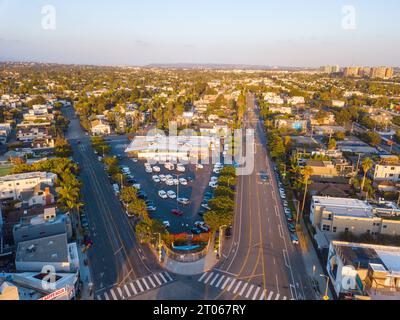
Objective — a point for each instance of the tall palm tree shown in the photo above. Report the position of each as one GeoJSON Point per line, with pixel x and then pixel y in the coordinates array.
{"type": "Point", "coordinates": [366, 165]}
{"type": "Point", "coordinates": [306, 173]}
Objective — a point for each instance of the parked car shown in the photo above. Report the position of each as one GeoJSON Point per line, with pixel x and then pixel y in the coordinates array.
{"type": "Point", "coordinates": [137, 186]}
{"type": "Point", "coordinates": [156, 179]}
{"type": "Point", "coordinates": [183, 201]}
{"type": "Point", "coordinates": [177, 212]}
{"type": "Point", "coordinates": [162, 194]}
{"type": "Point", "coordinates": [149, 170]}
{"type": "Point", "coordinates": [151, 208]}
{"type": "Point", "coordinates": [287, 211]}
{"type": "Point", "coordinates": [213, 184]}
{"type": "Point", "coordinates": [166, 224]}
{"type": "Point", "coordinates": [294, 238]}
{"type": "Point", "coordinates": [180, 168]}
{"type": "Point", "coordinates": [205, 206]}
{"type": "Point", "coordinates": [291, 227]}
{"type": "Point", "coordinates": [183, 181]}
{"type": "Point", "coordinates": [169, 166]}
{"type": "Point", "coordinates": [156, 169]}
{"type": "Point", "coordinates": [195, 231]}
{"type": "Point", "coordinates": [199, 166]}
{"type": "Point", "coordinates": [175, 181]}
{"type": "Point", "coordinates": [171, 194]}
{"type": "Point", "coordinates": [162, 177]}
{"type": "Point", "coordinates": [228, 232]}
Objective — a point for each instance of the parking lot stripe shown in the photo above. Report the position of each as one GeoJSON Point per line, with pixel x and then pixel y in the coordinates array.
{"type": "Point", "coordinates": [256, 293]}
{"type": "Point", "coordinates": [106, 295]}
{"type": "Point", "coordinates": [231, 285]}
{"type": "Point", "coordinates": [133, 288]}
{"type": "Point", "coordinates": [219, 282]}
{"type": "Point", "coordinates": [237, 287]}
{"type": "Point", "coordinates": [284, 298]}
{"type": "Point", "coordinates": [243, 288]}
{"type": "Point", "coordinates": [225, 283]}
{"type": "Point", "coordinates": [113, 294]}
{"type": "Point", "coordinates": [249, 291]}
{"type": "Point", "coordinates": [277, 296]}
{"type": "Point", "coordinates": [98, 298]}
{"type": "Point", "coordinates": [202, 277]}
{"type": "Point", "coordinates": [146, 284]}
{"type": "Point", "coordinates": [263, 294]}
{"type": "Point", "coordinates": [213, 280]}
{"type": "Point", "coordinates": [208, 278]}
{"type": "Point", "coordinates": [163, 278]}
{"type": "Point", "coordinates": [139, 285]}
{"type": "Point", "coordinates": [270, 295]}
{"type": "Point", "coordinates": [158, 280]}
{"type": "Point", "coordinates": [152, 282]}
{"type": "Point", "coordinates": [127, 291]}
{"type": "Point", "coordinates": [168, 276]}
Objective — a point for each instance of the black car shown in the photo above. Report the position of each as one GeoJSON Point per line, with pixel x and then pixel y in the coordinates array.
{"type": "Point", "coordinates": [196, 231]}
{"type": "Point", "coordinates": [291, 227]}
{"type": "Point", "coordinates": [142, 195]}
{"type": "Point", "coordinates": [228, 232]}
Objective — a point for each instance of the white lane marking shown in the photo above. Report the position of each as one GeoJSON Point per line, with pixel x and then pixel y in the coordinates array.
{"type": "Point", "coordinates": [133, 288]}
{"type": "Point", "coordinates": [106, 295]}
{"type": "Point", "coordinates": [113, 294]}
{"type": "Point", "coordinates": [139, 285]}
{"type": "Point", "coordinates": [243, 288]}
{"type": "Point", "coordinates": [163, 278]}
{"type": "Point", "coordinates": [225, 283]}
{"type": "Point", "coordinates": [208, 278]}
{"type": "Point", "coordinates": [263, 294]}
{"type": "Point", "coordinates": [152, 282]}
{"type": "Point", "coordinates": [202, 277]}
{"type": "Point", "coordinates": [270, 295]}
{"type": "Point", "coordinates": [146, 284]}
{"type": "Point", "coordinates": [277, 296]}
{"type": "Point", "coordinates": [168, 276]}
{"type": "Point", "coordinates": [237, 287]}
{"type": "Point", "coordinates": [219, 282]}
{"type": "Point", "coordinates": [285, 257]}
{"type": "Point", "coordinates": [256, 293]}
{"type": "Point", "coordinates": [120, 292]}
{"type": "Point", "coordinates": [249, 291]}
{"type": "Point", "coordinates": [213, 280]}
{"type": "Point", "coordinates": [158, 280]}
{"type": "Point", "coordinates": [231, 285]}
{"type": "Point", "coordinates": [127, 291]}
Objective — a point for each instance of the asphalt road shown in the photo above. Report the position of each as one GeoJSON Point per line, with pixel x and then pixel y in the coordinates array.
{"type": "Point", "coordinates": [261, 251]}
{"type": "Point", "coordinates": [115, 256]}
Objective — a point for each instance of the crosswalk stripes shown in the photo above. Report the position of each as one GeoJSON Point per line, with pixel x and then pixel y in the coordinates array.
{"type": "Point", "coordinates": [136, 287]}
{"type": "Point", "coordinates": [243, 288]}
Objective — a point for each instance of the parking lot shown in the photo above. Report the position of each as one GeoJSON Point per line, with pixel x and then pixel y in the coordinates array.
{"type": "Point", "coordinates": [197, 185]}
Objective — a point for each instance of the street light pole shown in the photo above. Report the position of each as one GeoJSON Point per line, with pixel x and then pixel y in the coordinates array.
{"type": "Point", "coordinates": [326, 297]}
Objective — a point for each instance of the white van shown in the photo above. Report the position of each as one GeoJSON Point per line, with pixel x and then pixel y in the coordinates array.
{"type": "Point", "coordinates": [116, 189]}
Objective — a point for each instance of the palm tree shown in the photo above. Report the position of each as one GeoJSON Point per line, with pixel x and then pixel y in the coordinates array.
{"type": "Point", "coordinates": [306, 173]}
{"type": "Point", "coordinates": [366, 165]}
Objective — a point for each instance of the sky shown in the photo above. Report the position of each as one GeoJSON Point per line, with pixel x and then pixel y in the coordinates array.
{"type": "Point", "coordinates": [301, 33]}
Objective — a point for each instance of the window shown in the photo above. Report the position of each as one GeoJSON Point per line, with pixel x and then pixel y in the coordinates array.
{"type": "Point", "coordinates": [326, 228]}
{"type": "Point", "coordinates": [334, 229]}
{"type": "Point", "coordinates": [346, 230]}
{"type": "Point", "coordinates": [384, 227]}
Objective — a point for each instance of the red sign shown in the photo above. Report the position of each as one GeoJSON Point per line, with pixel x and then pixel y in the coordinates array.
{"type": "Point", "coordinates": [54, 294]}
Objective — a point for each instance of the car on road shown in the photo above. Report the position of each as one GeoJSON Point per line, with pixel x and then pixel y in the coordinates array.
{"type": "Point", "coordinates": [263, 176]}
{"type": "Point", "coordinates": [294, 238]}
{"type": "Point", "coordinates": [166, 224]}
{"type": "Point", "coordinates": [156, 179]}
{"type": "Point", "coordinates": [177, 212]}
{"type": "Point", "coordinates": [162, 194]}
{"type": "Point", "coordinates": [228, 232]}
{"type": "Point", "coordinates": [171, 194]}
{"type": "Point", "coordinates": [184, 201]}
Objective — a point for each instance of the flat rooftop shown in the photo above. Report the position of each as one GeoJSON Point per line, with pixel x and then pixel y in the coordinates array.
{"type": "Point", "coordinates": [27, 175]}
{"type": "Point", "coordinates": [345, 206]}
{"type": "Point", "coordinates": [49, 249]}
{"type": "Point", "coordinates": [361, 255]}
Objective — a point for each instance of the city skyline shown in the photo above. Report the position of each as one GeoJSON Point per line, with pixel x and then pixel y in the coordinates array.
{"type": "Point", "coordinates": [258, 33]}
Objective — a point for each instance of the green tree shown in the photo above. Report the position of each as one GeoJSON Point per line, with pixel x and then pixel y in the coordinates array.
{"type": "Point", "coordinates": [366, 165]}
{"type": "Point", "coordinates": [217, 219]}
{"type": "Point", "coordinates": [224, 192]}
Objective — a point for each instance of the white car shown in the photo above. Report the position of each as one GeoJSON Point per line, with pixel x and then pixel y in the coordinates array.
{"type": "Point", "coordinates": [217, 171]}
{"type": "Point", "coordinates": [137, 186]}
{"type": "Point", "coordinates": [156, 179]}
{"type": "Point", "coordinates": [166, 224]}
{"type": "Point", "coordinates": [183, 181]}
{"type": "Point", "coordinates": [175, 181]}
{"type": "Point", "coordinates": [135, 160]}
{"type": "Point", "coordinates": [169, 166]}
{"type": "Point", "coordinates": [183, 201]}
{"type": "Point", "coordinates": [213, 184]}
{"type": "Point", "coordinates": [169, 182]}
{"type": "Point", "coordinates": [169, 177]}
{"type": "Point", "coordinates": [205, 206]}
{"type": "Point", "coordinates": [199, 166]}
{"type": "Point", "coordinates": [171, 194]}
{"type": "Point", "coordinates": [218, 165]}
{"type": "Point", "coordinates": [180, 168]}
{"type": "Point", "coordinates": [156, 169]}
{"type": "Point", "coordinates": [149, 170]}
{"type": "Point", "coordinates": [99, 158]}
{"type": "Point", "coordinates": [162, 177]}
{"type": "Point", "coordinates": [151, 208]}
{"type": "Point", "coordinates": [214, 179]}
{"type": "Point", "coordinates": [162, 194]}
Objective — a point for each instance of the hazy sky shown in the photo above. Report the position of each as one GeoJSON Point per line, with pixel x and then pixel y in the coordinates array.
{"type": "Point", "coordinates": [280, 32]}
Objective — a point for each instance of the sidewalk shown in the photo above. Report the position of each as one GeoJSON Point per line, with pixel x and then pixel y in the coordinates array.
{"type": "Point", "coordinates": [192, 268]}
{"type": "Point", "coordinates": [85, 276]}
{"type": "Point", "coordinates": [312, 264]}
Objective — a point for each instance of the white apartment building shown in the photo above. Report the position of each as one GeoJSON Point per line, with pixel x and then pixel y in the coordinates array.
{"type": "Point", "coordinates": [295, 100]}
{"type": "Point", "coordinates": [12, 186]}
{"type": "Point", "coordinates": [388, 169]}
{"type": "Point", "coordinates": [364, 271]}
{"type": "Point", "coordinates": [280, 109]}
{"type": "Point", "coordinates": [332, 216]}
{"type": "Point", "coordinates": [273, 98]}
